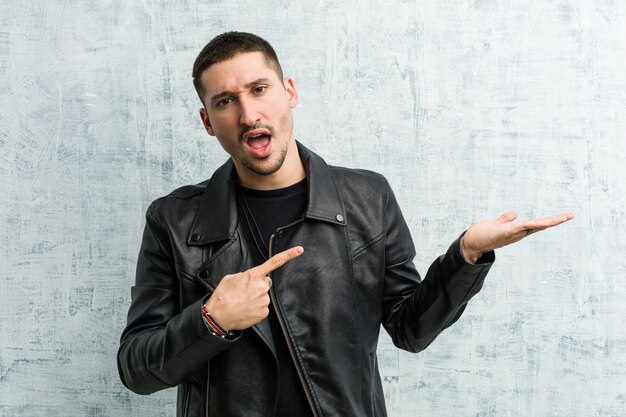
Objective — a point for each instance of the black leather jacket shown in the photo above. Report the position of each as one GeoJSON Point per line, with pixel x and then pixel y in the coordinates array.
{"type": "Point", "coordinates": [356, 273]}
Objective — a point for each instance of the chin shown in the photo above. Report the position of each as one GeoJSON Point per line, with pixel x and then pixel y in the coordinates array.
{"type": "Point", "coordinates": [268, 166]}
{"type": "Point", "coordinates": [265, 171]}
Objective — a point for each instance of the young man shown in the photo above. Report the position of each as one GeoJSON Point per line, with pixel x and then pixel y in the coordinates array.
{"type": "Point", "coordinates": [261, 291]}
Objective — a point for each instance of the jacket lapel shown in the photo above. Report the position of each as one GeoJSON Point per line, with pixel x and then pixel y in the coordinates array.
{"type": "Point", "coordinates": [324, 201]}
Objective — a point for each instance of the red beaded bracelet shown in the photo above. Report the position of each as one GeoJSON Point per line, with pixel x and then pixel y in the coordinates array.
{"type": "Point", "coordinates": [212, 325]}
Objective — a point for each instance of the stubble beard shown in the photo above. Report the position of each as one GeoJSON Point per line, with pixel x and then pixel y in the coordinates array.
{"type": "Point", "coordinates": [260, 170]}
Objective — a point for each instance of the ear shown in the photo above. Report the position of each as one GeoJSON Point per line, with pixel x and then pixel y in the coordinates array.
{"type": "Point", "coordinates": [291, 91]}
{"type": "Point", "coordinates": [206, 122]}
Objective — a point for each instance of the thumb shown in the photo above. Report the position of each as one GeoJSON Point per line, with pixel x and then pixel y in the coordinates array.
{"type": "Point", "coordinates": [507, 217]}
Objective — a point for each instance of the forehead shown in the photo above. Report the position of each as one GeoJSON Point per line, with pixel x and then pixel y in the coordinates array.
{"type": "Point", "coordinates": [234, 73]}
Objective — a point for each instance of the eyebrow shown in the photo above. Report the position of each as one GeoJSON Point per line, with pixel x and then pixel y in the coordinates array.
{"type": "Point", "coordinates": [249, 85]}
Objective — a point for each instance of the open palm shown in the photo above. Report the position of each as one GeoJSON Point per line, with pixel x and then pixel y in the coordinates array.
{"type": "Point", "coordinates": [486, 236]}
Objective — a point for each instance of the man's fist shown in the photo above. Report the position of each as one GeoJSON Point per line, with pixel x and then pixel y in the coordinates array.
{"type": "Point", "coordinates": [242, 300]}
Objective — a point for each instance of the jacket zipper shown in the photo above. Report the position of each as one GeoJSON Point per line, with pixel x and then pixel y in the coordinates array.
{"type": "Point", "coordinates": [208, 378]}
{"type": "Point", "coordinates": [208, 367]}
{"type": "Point", "coordinates": [186, 404]}
{"type": "Point", "coordinates": [284, 329]}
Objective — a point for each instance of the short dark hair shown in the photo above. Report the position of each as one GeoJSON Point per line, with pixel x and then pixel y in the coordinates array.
{"type": "Point", "coordinates": [226, 46]}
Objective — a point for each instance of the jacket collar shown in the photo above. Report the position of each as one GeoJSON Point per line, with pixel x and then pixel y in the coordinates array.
{"type": "Point", "coordinates": [216, 218]}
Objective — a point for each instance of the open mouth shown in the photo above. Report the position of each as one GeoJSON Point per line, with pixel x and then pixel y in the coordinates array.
{"type": "Point", "coordinates": [259, 142]}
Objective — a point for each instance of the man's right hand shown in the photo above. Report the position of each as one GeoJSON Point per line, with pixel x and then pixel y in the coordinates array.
{"type": "Point", "coordinates": [242, 300]}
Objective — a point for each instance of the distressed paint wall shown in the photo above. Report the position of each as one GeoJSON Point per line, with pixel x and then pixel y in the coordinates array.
{"type": "Point", "coordinates": [469, 108]}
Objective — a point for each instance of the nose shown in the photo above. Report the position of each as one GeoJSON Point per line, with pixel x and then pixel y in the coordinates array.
{"type": "Point", "coordinates": [249, 115]}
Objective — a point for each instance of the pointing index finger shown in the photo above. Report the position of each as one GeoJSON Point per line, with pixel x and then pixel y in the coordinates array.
{"type": "Point", "coordinates": [277, 261]}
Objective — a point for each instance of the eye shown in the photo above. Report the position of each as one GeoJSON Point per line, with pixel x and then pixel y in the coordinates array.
{"type": "Point", "coordinates": [260, 89]}
{"type": "Point", "coordinates": [223, 102]}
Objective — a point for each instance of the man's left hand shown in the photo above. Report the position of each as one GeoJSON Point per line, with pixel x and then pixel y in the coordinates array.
{"type": "Point", "coordinates": [486, 236]}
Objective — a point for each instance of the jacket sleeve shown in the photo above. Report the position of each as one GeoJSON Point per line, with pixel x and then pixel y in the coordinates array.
{"type": "Point", "coordinates": [415, 311]}
{"type": "Point", "coordinates": [163, 342]}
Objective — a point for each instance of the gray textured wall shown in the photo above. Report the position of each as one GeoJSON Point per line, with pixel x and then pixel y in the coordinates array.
{"type": "Point", "coordinates": [468, 107]}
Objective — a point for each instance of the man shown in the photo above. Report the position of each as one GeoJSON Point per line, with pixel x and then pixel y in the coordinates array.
{"type": "Point", "coordinates": [261, 291]}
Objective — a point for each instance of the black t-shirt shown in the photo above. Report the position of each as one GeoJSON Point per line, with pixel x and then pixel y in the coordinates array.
{"type": "Point", "coordinates": [263, 212]}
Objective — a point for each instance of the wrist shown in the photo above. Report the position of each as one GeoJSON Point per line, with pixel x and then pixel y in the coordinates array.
{"type": "Point", "coordinates": [470, 256]}
{"type": "Point", "coordinates": [213, 307]}
{"type": "Point", "coordinates": [212, 325]}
